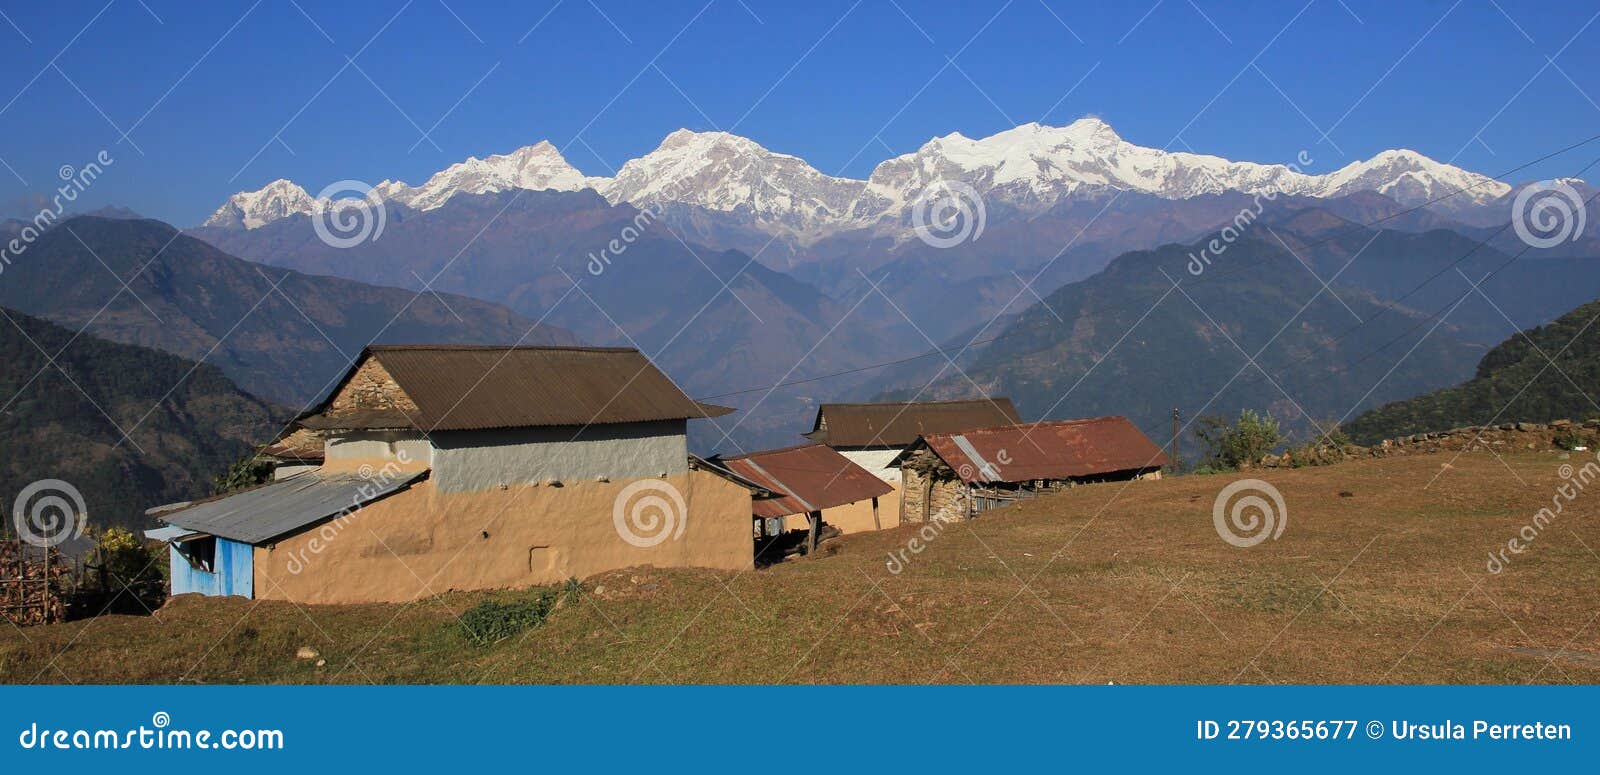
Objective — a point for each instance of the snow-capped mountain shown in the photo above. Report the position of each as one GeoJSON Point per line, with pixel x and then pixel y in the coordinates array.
{"type": "Point", "coordinates": [1030, 168]}
{"type": "Point", "coordinates": [1033, 167]}
{"type": "Point", "coordinates": [537, 167]}
{"type": "Point", "coordinates": [726, 173]}
{"type": "Point", "coordinates": [1411, 179]}
{"type": "Point", "coordinates": [253, 209]}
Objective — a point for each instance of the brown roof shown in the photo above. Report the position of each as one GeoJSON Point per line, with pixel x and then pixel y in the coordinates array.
{"type": "Point", "coordinates": [898, 423]}
{"type": "Point", "coordinates": [463, 387]}
{"type": "Point", "coordinates": [810, 477]}
{"type": "Point", "coordinates": [1066, 449]}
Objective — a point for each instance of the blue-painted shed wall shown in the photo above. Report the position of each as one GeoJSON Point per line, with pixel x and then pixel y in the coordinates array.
{"type": "Point", "coordinates": [234, 571]}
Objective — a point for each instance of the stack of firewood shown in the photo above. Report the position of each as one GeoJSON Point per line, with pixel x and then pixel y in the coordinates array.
{"type": "Point", "coordinates": [27, 595]}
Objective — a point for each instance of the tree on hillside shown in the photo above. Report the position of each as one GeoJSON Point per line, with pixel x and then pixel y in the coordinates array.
{"type": "Point", "coordinates": [1244, 442]}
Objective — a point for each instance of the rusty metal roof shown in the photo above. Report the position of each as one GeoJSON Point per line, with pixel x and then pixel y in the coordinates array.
{"type": "Point", "coordinates": [810, 477]}
{"type": "Point", "coordinates": [1066, 449]}
{"type": "Point", "coordinates": [463, 387]}
{"type": "Point", "coordinates": [898, 423]}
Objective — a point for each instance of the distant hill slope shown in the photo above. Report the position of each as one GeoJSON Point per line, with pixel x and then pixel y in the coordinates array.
{"type": "Point", "coordinates": [186, 421]}
{"type": "Point", "coordinates": [193, 300]}
{"type": "Point", "coordinates": [1547, 373]}
{"type": "Point", "coordinates": [1437, 266]}
{"type": "Point", "coordinates": [1105, 346]}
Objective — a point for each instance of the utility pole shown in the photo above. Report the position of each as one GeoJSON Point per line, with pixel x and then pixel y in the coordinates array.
{"type": "Point", "coordinates": [1177, 466]}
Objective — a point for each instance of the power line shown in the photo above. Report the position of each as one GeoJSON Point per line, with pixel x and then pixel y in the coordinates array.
{"type": "Point", "coordinates": [1212, 276]}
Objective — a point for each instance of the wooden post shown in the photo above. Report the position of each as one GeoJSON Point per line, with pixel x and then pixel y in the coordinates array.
{"type": "Point", "coordinates": [927, 496]}
{"type": "Point", "coordinates": [815, 518]}
{"type": "Point", "coordinates": [1176, 467]}
{"type": "Point", "coordinates": [876, 524]}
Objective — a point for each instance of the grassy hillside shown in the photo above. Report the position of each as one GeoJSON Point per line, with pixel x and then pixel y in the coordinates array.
{"type": "Point", "coordinates": [1547, 373]}
{"type": "Point", "coordinates": [186, 421]}
{"type": "Point", "coordinates": [1385, 584]}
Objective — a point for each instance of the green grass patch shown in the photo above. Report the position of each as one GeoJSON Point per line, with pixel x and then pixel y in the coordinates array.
{"type": "Point", "coordinates": [492, 621]}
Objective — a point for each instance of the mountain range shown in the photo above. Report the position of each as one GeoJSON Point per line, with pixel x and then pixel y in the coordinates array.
{"type": "Point", "coordinates": [69, 397]}
{"type": "Point", "coordinates": [729, 191]}
{"type": "Point", "coordinates": [280, 334]}
{"type": "Point", "coordinates": [737, 267]}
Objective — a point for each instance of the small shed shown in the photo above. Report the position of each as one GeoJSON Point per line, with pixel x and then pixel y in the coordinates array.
{"type": "Point", "coordinates": [872, 435]}
{"type": "Point", "coordinates": [959, 475]}
{"type": "Point", "coordinates": [809, 480]}
{"type": "Point", "coordinates": [211, 542]}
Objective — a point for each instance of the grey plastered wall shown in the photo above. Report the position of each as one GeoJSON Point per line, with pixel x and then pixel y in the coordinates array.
{"type": "Point", "coordinates": [399, 446]}
{"type": "Point", "coordinates": [466, 461]}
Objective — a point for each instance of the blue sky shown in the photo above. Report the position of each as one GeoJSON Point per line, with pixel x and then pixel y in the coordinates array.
{"type": "Point", "coordinates": [219, 97]}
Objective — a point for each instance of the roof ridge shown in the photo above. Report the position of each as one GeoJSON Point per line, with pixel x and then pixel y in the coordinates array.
{"type": "Point", "coordinates": [774, 451]}
{"type": "Point", "coordinates": [918, 403]}
{"type": "Point", "coordinates": [1040, 423]}
{"type": "Point", "coordinates": [374, 348]}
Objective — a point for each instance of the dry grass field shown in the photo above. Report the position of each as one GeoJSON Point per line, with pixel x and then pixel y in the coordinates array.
{"type": "Point", "coordinates": [1379, 577]}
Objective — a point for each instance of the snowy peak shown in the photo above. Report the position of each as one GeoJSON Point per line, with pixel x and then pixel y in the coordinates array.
{"type": "Point", "coordinates": [1411, 178]}
{"type": "Point", "coordinates": [537, 167]}
{"type": "Point", "coordinates": [727, 173]}
{"type": "Point", "coordinates": [250, 209]}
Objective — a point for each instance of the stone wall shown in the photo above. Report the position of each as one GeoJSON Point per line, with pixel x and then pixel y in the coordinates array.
{"type": "Point", "coordinates": [371, 387]}
{"type": "Point", "coordinates": [924, 495]}
{"type": "Point", "coordinates": [1504, 437]}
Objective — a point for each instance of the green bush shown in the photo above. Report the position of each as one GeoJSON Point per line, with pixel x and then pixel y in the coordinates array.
{"type": "Point", "coordinates": [492, 621]}
{"type": "Point", "coordinates": [1242, 443]}
{"type": "Point", "coordinates": [247, 471]}
{"type": "Point", "coordinates": [126, 568]}
{"type": "Point", "coordinates": [1568, 439]}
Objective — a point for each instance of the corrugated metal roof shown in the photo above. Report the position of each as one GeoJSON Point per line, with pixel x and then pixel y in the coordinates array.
{"type": "Point", "coordinates": [1067, 449]}
{"type": "Point", "coordinates": [898, 423]}
{"type": "Point", "coordinates": [461, 387]}
{"type": "Point", "coordinates": [266, 512]}
{"type": "Point", "coordinates": [810, 477]}
{"type": "Point", "coordinates": [168, 533]}
{"type": "Point", "coordinates": [757, 490]}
